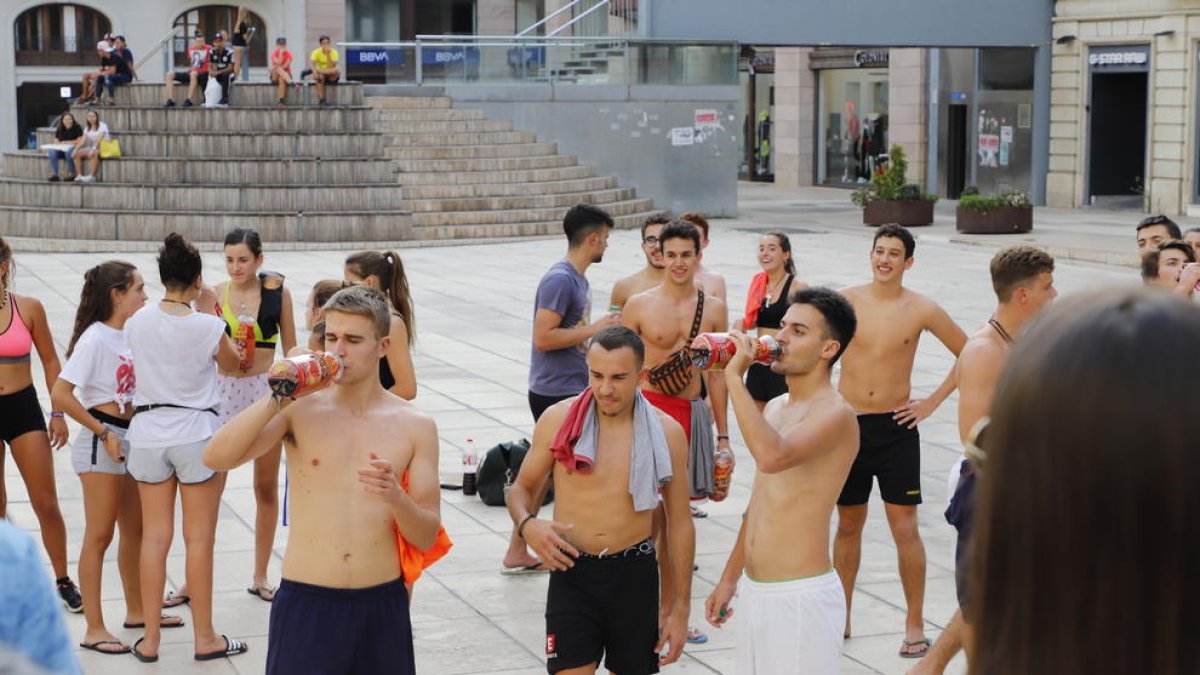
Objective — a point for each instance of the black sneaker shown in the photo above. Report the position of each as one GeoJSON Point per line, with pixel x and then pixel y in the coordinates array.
{"type": "Point", "coordinates": [70, 595]}
{"type": "Point", "coordinates": [54, 178]}
{"type": "Point", "coordinates": [305, 73]}
{"type": "Point", "coordinates": [170, 103]}
{"type": "Point", "coordinates": [324, 102]}
{"type": "Point", "coordinates": [187, 103]}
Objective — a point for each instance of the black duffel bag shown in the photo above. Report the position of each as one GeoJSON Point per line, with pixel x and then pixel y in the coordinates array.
{"type": "Point", "coordinates": [499, 469]}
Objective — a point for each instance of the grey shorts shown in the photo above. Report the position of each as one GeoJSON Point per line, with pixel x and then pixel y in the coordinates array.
{"type": "Point", "coordinates": [89, 456]}
{"type": "Point", "coordinates": [155, 465]}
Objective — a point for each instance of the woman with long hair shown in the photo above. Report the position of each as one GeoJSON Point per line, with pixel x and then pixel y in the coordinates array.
{"type": "Point", "coordinates": [384, 272]}
{"type": "Point", "coordinates": [322, 291]}
{"type": "Point", "coordinates": [1085, 556]}
{"type": "Point", "coordinates": [766, 303]}
{"type": "Point", "coordinates": [242, 33]}
{"type": "Point", "coordinates": [87, 147]}
{"type": "Point", "coordinates": [66, 132]}
{"type": "Point", "coordinates": [177, 395]}
{"type": "Point", "coordinates": [23, 426]}
{"type": "Point", "coordinates": [96, 389]}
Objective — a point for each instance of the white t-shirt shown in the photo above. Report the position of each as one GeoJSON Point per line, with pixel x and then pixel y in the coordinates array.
{"type": "Point", "coordinates": [93, 136]}
{"type": "Point", "coordinates": [175, 357]}
{"type": "Point", "coordinates": [101, 367]}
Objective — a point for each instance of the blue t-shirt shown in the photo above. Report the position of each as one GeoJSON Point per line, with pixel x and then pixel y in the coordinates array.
{"type": "Point", "coordinates": [31, 620]}
{"type": "Point", "coordinates": [562, 372]}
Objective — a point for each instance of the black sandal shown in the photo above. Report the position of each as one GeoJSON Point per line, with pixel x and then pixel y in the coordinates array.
{"type": "Point", "coordinates": [140, 656]}
{"type": "Point", "coordinates": [232, 648]}
{"type": "Point", "coordinates": [96, 647]}
{"type": "Point", "coordinates": [176, 622]}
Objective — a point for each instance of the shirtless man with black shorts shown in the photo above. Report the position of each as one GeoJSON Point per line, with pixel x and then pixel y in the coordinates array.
{"type": "Point", "coordinates": [603, 596]}
{"type": "Point", "coordinates": [791, 605]}
{"type": "Point", "coordinates": [876, 381]}
{"type": "Point", "coordinates": [1023, 278]}
{"type": "Point", "coordinates": [342, 606]}
{"type": "Point", "coordinates": [649, 276]}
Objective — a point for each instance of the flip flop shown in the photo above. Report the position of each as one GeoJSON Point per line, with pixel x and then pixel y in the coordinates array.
{"type": "Point", "coordinates": [232, 648]}
{"type": "Point", "coordinates": [173, 600]}
{"type": "Point", "coordinates": [695, 637]}
{"type": "Point", "coordinates": [96, 647]}
{"type": "Point", "coordinates": [535, 568]}
{"type": "Point", "coordinates": [925, 643]}
{"type": "Point", "coordinates": [697, 513]}
{"type": "Point", "coordinates": [165, 621]}
{"type": "Point", "coordinates": [140, 656]}
{"type": "Point", "coordinates": [264, 593]}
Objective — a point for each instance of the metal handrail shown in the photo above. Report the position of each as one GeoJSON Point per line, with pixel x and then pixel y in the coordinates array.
{"type": "Point", "coordinates": [560, 10]}
{"type": "Point", "coordinates": [573, 21]}
{"type": "Point", "coordinates": [157, 46]}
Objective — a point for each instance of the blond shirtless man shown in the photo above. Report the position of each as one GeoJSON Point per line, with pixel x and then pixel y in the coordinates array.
{"type": "Point", "coordinates": [876, 380]}
{"type": "Point", "coordinates": [603, 594]}
{"type": "Point", "coordinates": [1023, 279]}
{"type": "Point", "coordinates": [649, 276]}
{"type": "Point", "coordinates": [342, 606]}
{"type": "Point", "coordinates": [791, 606]}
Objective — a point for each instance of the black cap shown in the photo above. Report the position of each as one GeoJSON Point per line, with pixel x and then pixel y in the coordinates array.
{"type": "Point", "coordinates": [120, 37]}
{"type": "Point", "coordinates": [218, 36]}
{"type": "Point", "coordinates": [323, 38]}
{"type": "Point", "coordinates": [197, 33]}
{"type": "Point", "coordinates": [281, 41]}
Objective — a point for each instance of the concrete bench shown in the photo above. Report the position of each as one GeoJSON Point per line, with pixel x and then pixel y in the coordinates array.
{"type": "Point", "coordinates": [234, 144]}
{"type": "Point", "coordinates": [255, 170]}
{"type": "Point", "coordinates": [159, 119]}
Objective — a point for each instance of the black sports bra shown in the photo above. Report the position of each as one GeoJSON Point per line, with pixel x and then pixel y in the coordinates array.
{"type": "Point", "coordinates": [770, 316]}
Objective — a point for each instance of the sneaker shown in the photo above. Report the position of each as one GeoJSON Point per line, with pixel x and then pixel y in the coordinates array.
{"type": "Point", "coordinates": [80, 179]}
{"type": "Point", "coordinates": [54, 178]}
{"type": "Point", "coordinates": [187, 103]}
{"type": "Point", "coordinates": [305, 73]}
{"type": "Point", "coordinates": [224, 103]}
{"type": "Point", "coordinates": [324, 102]}
{"type": "Point", "coordinates": [87, 179]}
{"type": "Point", "coordinates": [170, 103]}
{"type": "Point", "coordinates": [70, 595]}
{"type": "Point", "coordinates": [282, 103]}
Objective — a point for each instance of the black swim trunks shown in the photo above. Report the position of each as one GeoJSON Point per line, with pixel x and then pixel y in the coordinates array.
{"type": "Point", "coordinates": [961, 514]}
{"type": "Point", "coordinates": [763, 383]}
{"type": "Point", "coordinates": [605, 607]}
{"type": "Point", "coordinates": [891, 452]}
{"type": "Point", "coordinates": [330, 631]}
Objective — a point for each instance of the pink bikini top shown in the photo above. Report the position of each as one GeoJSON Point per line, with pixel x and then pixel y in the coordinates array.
{"type": "Point", "coordinates": [16, 341]}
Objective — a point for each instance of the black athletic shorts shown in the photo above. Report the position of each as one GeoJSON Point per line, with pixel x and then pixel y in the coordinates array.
{"type": "Point", "coordinates": [185, 77]}
{"type": "Point", "coordinates": [333, 631]}
{"type": "Point", "coordinates": [539, 403]}
{"type": "Point", "coordinates": [605, 607]}
{"type": "Point", "coordinates": [20, 414]}
{"type": "Point", "coordinates": [891, 452]}
{"type": "Point", "coordinates": [961, 514]}
{"type": "Point", "coordinates": [764, 384]}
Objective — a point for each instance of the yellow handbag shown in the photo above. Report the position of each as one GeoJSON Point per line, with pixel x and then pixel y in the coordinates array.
{"type": "Point", "coordinates": [110, 148]}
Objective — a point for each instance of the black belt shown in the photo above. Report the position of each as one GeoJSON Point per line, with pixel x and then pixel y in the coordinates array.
{"type": "Point", "coordinates": [108, 419]}
{"type": "Point", "coordinates": [152, 406]}
{"type": "Point", "coordinates": [639, 550]}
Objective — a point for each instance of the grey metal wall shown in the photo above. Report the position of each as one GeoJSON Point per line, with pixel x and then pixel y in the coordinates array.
{"type": "Point", "coordinates": [896, 23]}
{"type": "Point", "coordinates": [626, 131]}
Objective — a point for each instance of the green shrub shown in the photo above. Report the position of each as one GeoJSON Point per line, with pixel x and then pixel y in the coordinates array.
{"type": "Point", "coordinates": [891, 184]}
{"type": "Point", "coordinates": [978, 202]}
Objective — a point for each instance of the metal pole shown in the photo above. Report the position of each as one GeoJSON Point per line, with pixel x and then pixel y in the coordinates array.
{"type": "Point", "coordinates": [1041, 123]}
{"type": "Point", "coordinates": [420, 58]}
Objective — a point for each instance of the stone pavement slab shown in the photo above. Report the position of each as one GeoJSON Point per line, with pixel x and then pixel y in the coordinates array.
{"type": "Point", "coordinates": [473, 315]}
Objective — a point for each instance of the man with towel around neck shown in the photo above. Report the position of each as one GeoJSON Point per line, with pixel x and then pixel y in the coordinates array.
{"type": "Point", "coordinates": [791, 607]}
{"type": "Point", "coordinates": [612, 456]}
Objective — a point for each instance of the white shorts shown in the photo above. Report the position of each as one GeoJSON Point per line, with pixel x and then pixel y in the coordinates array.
{"type": "Point", "coordinates": [89, 456]}
{"type": "Point", "coordinates": [239, 393]}
{"type": "Point", "coordinates": [155, 465]}
{"type": "Point", "coordinates": [787, 627]}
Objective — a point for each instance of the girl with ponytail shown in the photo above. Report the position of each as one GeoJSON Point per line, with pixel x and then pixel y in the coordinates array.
{"type": "Point", "coordinates": [96, 389]}
{"type": "Point", "coordinates": [384, 272]}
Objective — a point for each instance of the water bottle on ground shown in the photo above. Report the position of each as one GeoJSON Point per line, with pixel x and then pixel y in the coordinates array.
{"type": "Point", "coordinates": [470, 461]}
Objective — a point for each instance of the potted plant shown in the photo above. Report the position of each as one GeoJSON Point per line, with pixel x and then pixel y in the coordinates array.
{"type": "Point", "coordinates": [1009, 212]}
{"type": "Point", "coordinates": [890, 199]}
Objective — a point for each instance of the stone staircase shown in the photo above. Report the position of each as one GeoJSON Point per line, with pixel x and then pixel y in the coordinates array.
{"type": "Point", "coordinates": [401, 168]}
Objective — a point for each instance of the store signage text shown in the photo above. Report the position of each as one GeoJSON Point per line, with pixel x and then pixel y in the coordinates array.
{"type": "Point", "coordinates": [1118, 58]}
{"type": "Point", "coordinates": [868, 59]}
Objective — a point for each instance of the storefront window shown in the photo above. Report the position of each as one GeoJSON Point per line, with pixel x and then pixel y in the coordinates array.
{"type": "Point", "coordinates": [853, 121]}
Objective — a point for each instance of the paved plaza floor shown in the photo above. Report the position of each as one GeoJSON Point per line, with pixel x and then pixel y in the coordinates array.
{"type": "Point", "coordinates": [473, 318]}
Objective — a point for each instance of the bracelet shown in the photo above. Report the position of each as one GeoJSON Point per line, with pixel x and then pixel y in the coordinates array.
{"type": "Point", "coordinates": [103, 436]}
{"type": "Point", "coordinates": [56, 413]}
{"type": "Point", "coordinates": [722, 437]}
{"type": "Point", "coordinates": [521, 527]}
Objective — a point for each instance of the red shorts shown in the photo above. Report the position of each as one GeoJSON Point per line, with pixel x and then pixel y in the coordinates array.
{"type": "Point", "coordinates": [680, 409]}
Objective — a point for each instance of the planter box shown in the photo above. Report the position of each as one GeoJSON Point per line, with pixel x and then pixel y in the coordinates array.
{"type": "Point", "coordinates": [1000, 220]}
{"type": "Point", "coordinates": [908, 214]}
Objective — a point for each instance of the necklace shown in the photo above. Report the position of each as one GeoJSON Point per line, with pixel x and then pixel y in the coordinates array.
{"type": "Point", "coordinates": [778, 286]}
{"type": "Point", "coordinates": [1000, 330]}
{"type": "Point", "coordinates": [178, 302]}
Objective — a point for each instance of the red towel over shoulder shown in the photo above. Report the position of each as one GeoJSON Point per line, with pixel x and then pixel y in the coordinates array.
{"type": "Point", "coordinates": [754, 298]}
{"type": "Point", "coordinates": [563, 446]}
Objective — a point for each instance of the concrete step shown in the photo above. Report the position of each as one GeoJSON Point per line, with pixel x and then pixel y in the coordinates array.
{"type": "Point", "coordinates": [310, 120]}
{"type": "Point", "coordinates": [242, 94]}
{"type": "Point", "coordinates": [512, 203]}
{"type": "Point", "coordinates": [622, 208]}
{"type": "Point", "coordinates": [473, 151]}
{"type": "Point", "coordinates": [427, 139]}
{"type": "Point", "coordinates": [446, 167]}
{"type": "Point", "coordinates": [33, 165]}
{"type": "Point", "coordinates": [222, 145]}
{"type": "Point", "coordinates": [427, 114]}
{"type": "Point", "coordinates": [444, 127]}
{"type": "Point", "coordinates": [470, 178]}
{"type": "Point", "coordinates": [149, 197]}
{"type": "Point", "coordinates": [529, 229]}
{"type": "Point", "coordinates": [410, 102]}
{"type": "Point", "coordinates": [346, 226]}
{"type": "Point", "coordinates": [506, 189]}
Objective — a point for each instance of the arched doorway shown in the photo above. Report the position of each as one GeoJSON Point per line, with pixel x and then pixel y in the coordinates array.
{"type": "Point", "coordinates": [211, 18]}
{"type": "Point", "coordinates": [59, 35]}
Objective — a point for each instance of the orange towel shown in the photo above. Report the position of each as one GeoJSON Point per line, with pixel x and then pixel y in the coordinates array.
{"type": "Point", "coordinates": [412, 559]}
{"type": "Point", "coordinates": [754, 298]}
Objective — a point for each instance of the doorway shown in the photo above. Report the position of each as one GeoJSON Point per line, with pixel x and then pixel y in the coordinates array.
{"type": "Point", "coordinates": [1117, 136]}
{"type": "Point", "coordinates": [957, 143]}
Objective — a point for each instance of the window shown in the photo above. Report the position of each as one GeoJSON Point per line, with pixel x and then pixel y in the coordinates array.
{"type": "Point", "coordinates": [212, 18]}
{"type": "Point", "coordinates": [59, 35]}
{"type": "Point", "coordinates": [1006, 69]}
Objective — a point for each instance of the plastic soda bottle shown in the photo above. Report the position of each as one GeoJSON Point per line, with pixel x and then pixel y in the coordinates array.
{"type": "Point", "coordinates": [722, 473]}
{"type": "Point", "coordinates": [303, 373]}
{"type": "Point", "coordinates": [470, 460]}
{"type": "Point", "coordinates": [712, 351]}
{"type": "Point", "coordinates": [244, 338]}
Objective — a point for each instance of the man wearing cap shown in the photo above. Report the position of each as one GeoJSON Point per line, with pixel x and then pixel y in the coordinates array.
{"type": "Point", "coordinates": [281, 69]}
{"type": "Point", "coordinates": [196, 76]}
{"type": "Point", "coordinates": [220, 65]}
{"type": "Point", "coordinates": [123, 71]}
{"type": "Point", "coordinates": [93, 83]}
{"type": "Point", "coordinates": [323, 64]}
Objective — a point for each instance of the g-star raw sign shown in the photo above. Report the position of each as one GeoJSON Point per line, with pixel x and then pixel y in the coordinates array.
{"type": "Point", "coordinates": [1118, 58]}
{"type": "Point", "coordinates": [868, 59]}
